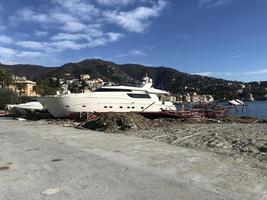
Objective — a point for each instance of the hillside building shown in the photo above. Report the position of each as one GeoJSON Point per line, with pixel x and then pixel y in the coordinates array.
{"type": "Point", "coordinates": [85, 77]}
{"type": "Point", "coordinates": [24, 87]}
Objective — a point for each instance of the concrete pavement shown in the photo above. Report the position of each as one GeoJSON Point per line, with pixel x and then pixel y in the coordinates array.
{"type": "Point", "coordinates": [42, 161]}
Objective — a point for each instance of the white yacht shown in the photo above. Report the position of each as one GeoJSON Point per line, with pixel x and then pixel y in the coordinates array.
{"type": "Point", "coordinates": [109, 99]}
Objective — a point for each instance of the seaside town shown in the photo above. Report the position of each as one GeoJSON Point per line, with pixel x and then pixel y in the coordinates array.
{"type": "Point", "coordinates": [85, 84]}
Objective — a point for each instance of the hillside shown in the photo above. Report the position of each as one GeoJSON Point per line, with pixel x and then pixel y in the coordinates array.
{"type": "Point", "coordinates": [165, 78]}
{"type": "Point", "coordinates": [30, 71]}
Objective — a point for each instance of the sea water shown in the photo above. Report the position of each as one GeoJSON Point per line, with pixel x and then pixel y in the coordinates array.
{"type": "Point", "coordinates": [253, 108]}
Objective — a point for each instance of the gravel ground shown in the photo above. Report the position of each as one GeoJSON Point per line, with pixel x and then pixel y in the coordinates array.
{"type": "Point", "coordinates": [242, 141]}
{"type": "Point", "coordinates": [44, 161]}
{"type": "Point", "coordinates": [239, 137]}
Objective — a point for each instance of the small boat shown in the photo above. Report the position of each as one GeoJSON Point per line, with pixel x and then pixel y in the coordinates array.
{"type": "Point", "coordinates": [236, 102]}
{"type": "Point", "coordinates": [24, 108]}
{"type": "Point", "coordinates": [30, 106]}
{"type": "Point", "coordinates": [12, 110]}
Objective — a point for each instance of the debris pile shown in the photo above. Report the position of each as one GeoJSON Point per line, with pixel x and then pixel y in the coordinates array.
{"type": "Point", "coordinates": [113, 122]}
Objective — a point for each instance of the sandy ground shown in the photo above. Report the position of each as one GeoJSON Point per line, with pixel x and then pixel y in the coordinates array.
{"type": "Point", "coordinates": [43, 161]}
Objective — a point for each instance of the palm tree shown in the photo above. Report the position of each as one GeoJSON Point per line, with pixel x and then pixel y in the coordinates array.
{"type": "Point", "coordinates": [5, 78]}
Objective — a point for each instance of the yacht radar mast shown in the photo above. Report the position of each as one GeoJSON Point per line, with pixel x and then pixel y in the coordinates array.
{"type": "Point", "coordinates": [147, 82]}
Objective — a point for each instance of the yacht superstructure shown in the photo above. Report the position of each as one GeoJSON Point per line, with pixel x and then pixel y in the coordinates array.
{"type": "Point", "coordinates": [109, 99]}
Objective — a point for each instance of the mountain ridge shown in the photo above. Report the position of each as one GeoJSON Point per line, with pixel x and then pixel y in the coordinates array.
{"type": "Point", "coordinates": [164, 77]}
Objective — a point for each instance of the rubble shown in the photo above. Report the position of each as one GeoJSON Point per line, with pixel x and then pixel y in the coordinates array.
{"type": "Point", "coordinates": [114, 122]}
{"type": "Point", "coordinates": [236, 136]}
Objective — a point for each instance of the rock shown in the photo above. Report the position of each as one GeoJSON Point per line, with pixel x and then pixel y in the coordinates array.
{"type": "Point", "coordinates": [50, 191]}
{"type": "Point", "coordinates": [220, 144]}
{"type": "Point", "coordinates": [263, 148]}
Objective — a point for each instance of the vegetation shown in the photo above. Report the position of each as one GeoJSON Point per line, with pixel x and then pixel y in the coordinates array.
{"type": "Point", "coordinates": [5, 78]}
{"type": "Point", "coordinates": [7, 96]}
{"type": "Point", "coordinates": [47, 87]}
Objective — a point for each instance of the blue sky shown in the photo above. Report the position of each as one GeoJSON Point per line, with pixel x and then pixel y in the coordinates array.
{"type": "Point", "coordinates": [221, 38]}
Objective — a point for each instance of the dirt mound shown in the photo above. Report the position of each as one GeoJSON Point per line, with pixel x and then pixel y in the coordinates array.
{"type": "Point", "coordinates": [113, 122]}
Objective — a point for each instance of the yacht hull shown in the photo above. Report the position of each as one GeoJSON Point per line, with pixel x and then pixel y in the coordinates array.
{"type": "Point", "coordinates": [63, 106]}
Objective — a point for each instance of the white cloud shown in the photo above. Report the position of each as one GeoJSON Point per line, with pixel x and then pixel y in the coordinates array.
{"type": "Point", "coordinates": [97, 42]}
{"type": "Point", "coordinates": [256, 72]}
{"type": "Point", "coordinates": [66, 41]}
{"type": "Point", "coordinates": [137, 19]}
{"type": "Point", "coordinates": [79, 41]}
{"type": "Point", "coordinates": [61, 18]}
{"type": "Point", "coordinates": [80, 8]}
{"type": "Point", "coordinates": [14, 56]}
{"type": "Point", "coordinates": [32, 54]}
{"type": "Point", "coordinates": [5, 39]}
{"type": "Point", "coordinates": [137, 52]}
{"type": "Point", "coordinates": [76, 16]}
{"type": "Point", "coordinates": [7, 52]}
{"type": "Point", "coordinates": [213, 3]}
{"type": "Point", "coordinates": [74, 27]}
{"type": "Point", "coordinates": [41, 33]}
{"type": "Point", "coordinates": [31, 45]}
{"type": "Point", "coordinates": [69, 36]}
{"type": "Point", "coordinates": [108, 37]}
{"type": "Point", "coordinates": [28, 14]}
{"type": "Point", "coordinates": [66, 44]}
{"type": "Point", "coordinates": [113, 37]}
{"type": "Point", "coordinates": [245, 73]}
{"type": "Point", "coordinates": [134, 52]}
{"type": "Point", "coordinates": [115, 2]}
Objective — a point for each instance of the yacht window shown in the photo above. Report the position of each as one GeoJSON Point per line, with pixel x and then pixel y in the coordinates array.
{"type": "Point", "coordinates": [132, 107]}
{"type": "Point", "coordinates": [121, 107]}
{"type": "Point", "coordinates": [142, 107]}
{"type": "Point", "coordinates": [67, 106]}
{"type": "Point", "coordinates": [112, 90]}
{"type": "Point", "coordinates": [139, 96]}
{"type": "Point", "coordinates": [83, 106]}
{"type": "Point", "coordinates": [105, 107]}
{"type": "Point", "coordinates": [128, 107]}
{"type": "Point", "coordinates": [110, 106]}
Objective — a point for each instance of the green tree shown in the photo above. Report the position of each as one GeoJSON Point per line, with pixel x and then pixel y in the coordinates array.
{"type": "Point", "coordinates": [47, 87]}
{"type": "Point", "coordinates": [7, 96]}
{"type": "Point", "coordinates": [5, 78]}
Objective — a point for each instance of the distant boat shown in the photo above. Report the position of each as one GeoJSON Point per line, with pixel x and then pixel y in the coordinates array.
{"type": "Point", "coordinates": [236, 102]}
